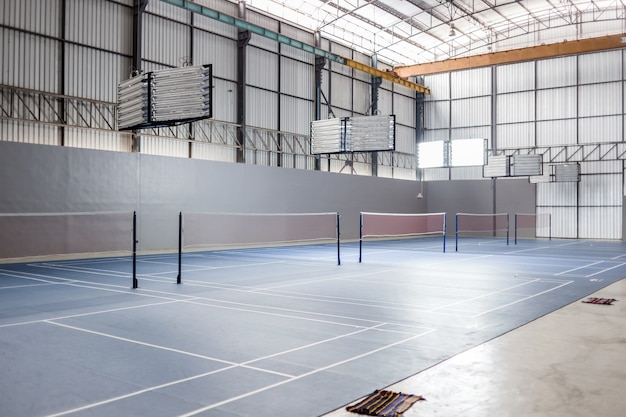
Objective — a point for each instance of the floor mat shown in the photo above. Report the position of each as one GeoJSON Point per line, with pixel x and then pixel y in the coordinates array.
{"type": "Point", "coordinates": [384, 403]}
{"type": "Point", "coordinates": [596, 300]}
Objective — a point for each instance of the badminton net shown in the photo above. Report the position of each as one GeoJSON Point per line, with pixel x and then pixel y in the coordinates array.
{"type": "Point", "coordinates": [205, 231]}
{"type": "Point", "coordinates": [478, 225]}
{"type": "Point", "coordinates": [532, 226]}
{"type": "Point", "coordinates": [399, 225]}
{"type": "Point", "coordinates": [68, 235]}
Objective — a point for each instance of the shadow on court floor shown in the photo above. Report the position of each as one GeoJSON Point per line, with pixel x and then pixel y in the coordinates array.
{"type": "Point", "coordinates": [269, 331]}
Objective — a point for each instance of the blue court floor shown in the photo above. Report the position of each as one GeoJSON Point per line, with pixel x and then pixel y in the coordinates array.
{"type": "Point", "coordinates": [269, 331]}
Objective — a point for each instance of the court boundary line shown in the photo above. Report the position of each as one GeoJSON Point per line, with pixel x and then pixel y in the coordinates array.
{"type": "Point", "coordinates": [232, 365]}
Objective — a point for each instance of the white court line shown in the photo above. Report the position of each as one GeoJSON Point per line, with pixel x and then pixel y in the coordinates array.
{"type": "Point", "coordinates": [522, 299]}
{"type": "Point", "coordinates": [254, 308]}
{"type": "Point", "coordinates": [295, 378]}
{"type": "Point", "coordinates": [526, 250]}
{"type": "Point", "coordinates": [483, 295]}
{"type": "Point", "coordinates": [165, 348]}
{"type": "Point", "coordinates": [233, 365]}
{"type": "Point", "coordinates": [578, 268]}
{"type": "Point", "coordinates": [618, 256]}
{"type": "Point", "coordinates": [605, 270]}
{"type": "Point", "coordinates": [103, 272]}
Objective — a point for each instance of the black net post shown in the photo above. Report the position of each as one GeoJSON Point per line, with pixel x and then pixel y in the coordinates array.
{"type": "Point", "coordinates": [180, 247]}
{"type": "Point", "coordinates": [338, 242]}
{"type": "Point", "coordinates": [444, 232]}
{"type": "Point", "coordinates": [135, 283]}
{"type": "Point", "coordinates": [360, 236]}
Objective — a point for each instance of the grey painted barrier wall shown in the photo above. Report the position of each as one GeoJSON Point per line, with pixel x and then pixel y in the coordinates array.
{"type": "Point", "coordinates": [49, 179]}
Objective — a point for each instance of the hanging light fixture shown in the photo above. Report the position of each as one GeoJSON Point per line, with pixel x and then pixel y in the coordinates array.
{"type": "Point", "coordinates": [452, 32]}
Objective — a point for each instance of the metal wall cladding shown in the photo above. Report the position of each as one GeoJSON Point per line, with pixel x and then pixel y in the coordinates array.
{"type": "Point", "coordinates": [297, 54]}
{"type": "Point", "coordinates": [29, 61]}
{"type": "Point", "coordinates": [600, 190]}
{"type": "Point", "coordinates": [600, 67]}
{"type": "Point", "coordinates": [405, 139]}
{"type": "Point", "coordinates": [601, 167]}
{"type": "Point", "coordinates": [435, 135]}
{"type": "Point", "coordinates": [471, 83]}
{"type": "Point", "coordinates": [482, 132]}
{"type": "Point", "coordinates": [167, 10]}
{"type": "Point", "coordinates": [165, 42]}
{"type": "Point", "coordinates": [435, 174]}
{"type": "Point", "coordinates": [261, 108]}
{"type": "Point", "coordinates": [557, 194]}
{"type": "Point", "coordinates": [600, 99]}
{"type": "Point", "coordinates": [225, 100]}
{"type": "Point", "coordinates": [361, 101]}
{"type": "Point", "coordinates": [556, 72]}
{"type": "Point", "coordinates": [600, 129]}
{"type": "Point", "coordinates": [152, 145]}
{"type": "Point", "coordinates": [296, 115]}
{"type": "Point", "coordinates": [515, 107]}
{"type": "Point", "coordinates": [436, 115]}
{"type": "Point", "coordinates": [36, 16]}
{"type": "Point", "coordinates": [439, 85]}
{"type": "Point", "coordinates": [23, 132]}
{"type": "Point", "coordinates": [340, 91]}
{"type": "Point", "coordinates": [515, 135]}
{"type": "Point", "coordinates": [94, 74]}
{"type": "Point", "coordinates": [564, 221]}
{"type": "Point", "coordinates": [220, 52]}
{"type": "Point", "coordinates": [600, 222]}
{"type": "Point", "coordinates": [262, 70]}
{"type": "Point", "coordinates": [405, 109]}
{"type": "Point", "coordinates": [213, 152]}
{"type": "Point", "coordinates": [267, 23]}
{"type": "Point", "coordinates": [385, 101]}
{"type": "Point", "coordinates": [471, 112]}
{"type": "Point", "coordinates": [298, 34]}
{"type": "Point", "coordinates": [556, 132]}
{"type": "Point", "coordinates": [98, 139]}
{"type": "Point", "coordinates": [466, 173]}
{"type": "Point", "coordinates": [102, 24]}
{"type": "Point", "coordinates": [558, 103]}
{"type": "Point", "coordinates": [515, 77]}
{"type": "Point", "coordinates": [215, 26]}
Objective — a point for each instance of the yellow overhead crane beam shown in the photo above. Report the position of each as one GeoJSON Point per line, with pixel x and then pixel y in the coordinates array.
{"type": "Point", "coordinates": [514, 55]}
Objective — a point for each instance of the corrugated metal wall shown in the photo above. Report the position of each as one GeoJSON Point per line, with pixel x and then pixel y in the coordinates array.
{"type": "Point", "coordinates": [555, 102]}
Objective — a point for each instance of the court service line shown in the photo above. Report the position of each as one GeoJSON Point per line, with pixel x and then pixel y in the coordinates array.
{"type": "Point", "coordinates": [484, 295]}
{"type": "Point", "coordinates": [295, 378]}
{"type": "Point", "coordinates": [522, 299]}
{"type": "Point", "coordinates": [159, 347]}
{"type": "Point", "coordinates": [91, 313]}
{"type": "Point", "coordinates": [231, 366]}
{"type": "Point", "coordinates": [605, 270]}
{"type": "Point", "coordinates": [578, 268]}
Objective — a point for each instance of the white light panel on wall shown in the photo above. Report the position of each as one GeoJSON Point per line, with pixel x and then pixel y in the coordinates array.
{"type": "Point", "coordinates": [467, 152]}
{"type": "Point", "coordinates": [431, 154]}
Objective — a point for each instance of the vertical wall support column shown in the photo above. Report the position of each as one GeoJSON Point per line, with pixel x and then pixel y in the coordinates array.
{"type": "Point", "coordinates": [376, 82]}
{"type": "Point", "coordinates": [242, 63]}
{"type": "Point", "coordinates": [189, 61]}
{"type": "Point", "coordinates": [242, 42]}
{"type": "Point", "coordinates": [61, 77]}
{"type": "Point", "coordinates": [139, 6]}
{"type": "Point", "coordinates": [419, 130]}
{"type": "Point", "coordinates": [320, 62]}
